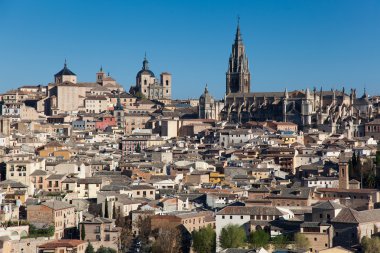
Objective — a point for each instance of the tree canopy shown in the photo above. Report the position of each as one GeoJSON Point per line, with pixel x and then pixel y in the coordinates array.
{"type": "Point", "coordinates": [280, 242]}
{"type": "Point", "coordinates": [232, 236]}
{"type": "Point", "coordinates": [371, 245]}
{"type": "Point", "coordinates": [258, 239]}
{"type": "Point", "coordinates": [89, 248]}
{"type": "Point", "coordinates": [82, 232]}
{"type": "Point", "coordinates": [204, 240]}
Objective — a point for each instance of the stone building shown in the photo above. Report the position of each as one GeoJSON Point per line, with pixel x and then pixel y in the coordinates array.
{"type": "Point", "coordinates": [101, 230]}
{"type": "Point", "coordinates": [333, 111]}
{"type": "Point", "coordinates": [209, 108]}
{"type": "Point", "coordinates": [66, 95]}
{"type": "Point", "coordinates": [238, 77]}
{"type": "Point", "coordinates": [57, 213]}
{"type": "Point", "coordinates": [148, 86]}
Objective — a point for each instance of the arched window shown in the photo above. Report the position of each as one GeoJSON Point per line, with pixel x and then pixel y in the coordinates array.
{"type": "Point", "coordinates": [167, 82]}
{"type": "Point", "coordinates": [145, 82]}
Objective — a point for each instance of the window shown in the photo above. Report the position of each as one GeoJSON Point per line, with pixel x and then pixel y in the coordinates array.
{"type": "Point", "coordinates": [223, 217]}
{"type": "Point", "coordinates": [241, 217]}
{"type": "Point", "coordinates": [97, 229]}
{"type": "Point", "coordinates": [230, 217]}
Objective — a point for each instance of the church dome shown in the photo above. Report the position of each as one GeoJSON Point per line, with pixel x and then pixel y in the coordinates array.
{"type": "Point", "coordinates": [206, 96]}
{"type": "Point", "coordinates": [145, 72]}
{"type": "Point", "coordinates": [65, 71]}
{"type": "Point", "coordinates": [145, 69]}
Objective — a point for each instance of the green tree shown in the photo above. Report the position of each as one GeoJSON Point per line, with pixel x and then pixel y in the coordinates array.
{"type": "Point", "coordinates": [301, 241]}
{"type": "Point", "coordinates": [232, 236]}
{"type": "Point", "coordinates": [258, 239]}
{"type": "Point", "coordinates": [114, 211]}
{"type": "Point", "coordinates": [105, 250]}
{"type": "Point", "coordinates": [371, 180]}
{"type": "Point", "coordinates": [89, 248]}
{"type": "Point", "coordinates": [106, 209]}
{"type": "Point", "coordinates": [82, 232]}
{"type": "Point", "coordinates": [280, 242]}
{"type": "Point", "coordinates": [371, 245]}
{"type": "Point", "coordinates": [41, 232]}
{"type": "Point", "coordinates": [138, 148]}
{"type": "Point", "coordinates": [139, 95]}
{"type": "Point", "coordinates": [204, 240]}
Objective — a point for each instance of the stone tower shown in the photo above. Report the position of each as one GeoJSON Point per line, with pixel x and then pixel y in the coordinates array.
{"type": "Point", "coordinates": [238, 77]}
{"type": "Point", "coordinates": [306, 108]}
{"type": "Point", "coordinates": [118, 113]}
{"type": "Point", "coordinates": [343, 173]}
{"type": "Point", "coordinates": [100, 76]}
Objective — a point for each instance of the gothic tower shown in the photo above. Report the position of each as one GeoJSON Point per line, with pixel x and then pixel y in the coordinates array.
{"type": "Point", "coordinates": [238, 77]}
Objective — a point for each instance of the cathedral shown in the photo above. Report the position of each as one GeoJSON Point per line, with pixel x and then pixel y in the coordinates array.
{"type": "Point", "coordinates": [333, 110]}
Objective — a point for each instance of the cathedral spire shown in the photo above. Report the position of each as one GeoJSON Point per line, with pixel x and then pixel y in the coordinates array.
{"type": "Point", "coordinates": [238, 33]}
{"type": "Point", "coordinates": [238, 78]}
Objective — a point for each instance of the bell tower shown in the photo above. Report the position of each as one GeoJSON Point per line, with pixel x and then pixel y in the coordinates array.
{"type": "Point", "coordinates": [238, 77]}
{"type": "Point", "coordinates": [343, 173]}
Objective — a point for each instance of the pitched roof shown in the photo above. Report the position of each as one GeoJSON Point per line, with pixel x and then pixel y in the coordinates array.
{"type": "Point", "coordinates": [252, 210]}
{"type": "Point", "coordinates": [347, 215]}
{"type": "Point", "coordinates": [68, 243]}
{"type": "Point", "coordinates": [329, 205]}
{"type": "Point", "coordinates": [56, 205]}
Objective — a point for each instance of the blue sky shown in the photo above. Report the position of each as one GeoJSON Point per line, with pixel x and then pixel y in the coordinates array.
{"type": "Point", "coordinates": [294, 44]}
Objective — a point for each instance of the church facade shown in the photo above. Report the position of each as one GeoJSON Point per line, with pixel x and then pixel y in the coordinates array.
{"type": "Point", "coordinates": [150, 87]}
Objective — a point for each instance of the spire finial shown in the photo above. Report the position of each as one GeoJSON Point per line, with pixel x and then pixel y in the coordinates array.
{"type": "Point", "coordinates": [65, 65]}
{"type": "Point", "coordinates": [145, 63]}
{"type": "Point", "coordinates": [238, 34]}
{"type": "Point", "coordinates": [206, 89]}
{"type": "Point", "coordinates": [101, 68]}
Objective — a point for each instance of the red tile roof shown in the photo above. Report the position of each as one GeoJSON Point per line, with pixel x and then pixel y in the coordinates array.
{"type": "Point", "coordinates": [68, 243]}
